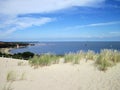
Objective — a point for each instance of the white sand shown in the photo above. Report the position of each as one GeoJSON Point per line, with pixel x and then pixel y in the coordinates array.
{"type": "Point", "coordinates": [84, 76]}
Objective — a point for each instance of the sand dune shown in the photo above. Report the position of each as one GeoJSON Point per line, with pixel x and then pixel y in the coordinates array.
{"type": "Point", "coordinates": [84, 76]}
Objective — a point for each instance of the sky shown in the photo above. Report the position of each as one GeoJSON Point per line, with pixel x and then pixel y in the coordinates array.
{"type": "Point", "coordinates": [59, 20]}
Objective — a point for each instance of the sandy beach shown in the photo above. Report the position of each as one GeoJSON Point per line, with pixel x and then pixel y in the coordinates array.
{"type": "Point", "coordinates": [84, 76]}
{"type": "Point", "coordinates": [5, 50]}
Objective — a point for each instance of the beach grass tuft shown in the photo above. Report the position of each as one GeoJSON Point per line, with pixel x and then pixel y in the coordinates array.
{"type": "Point", "coordinates": [74, 58]}
{"type": "Point", "coordinates": [11, 76]}
{"type": "Point", "coordinates": [107, 58]}
{"type": "Point", "coordinates": [23, 76]}
{"type": "Point", "coordinates": [90, 55]}
{"type": "Point", "coordinates": [44, 60]}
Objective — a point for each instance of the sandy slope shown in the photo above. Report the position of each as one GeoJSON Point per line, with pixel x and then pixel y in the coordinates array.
{"type": "Point", "coordinates": [60, 76]}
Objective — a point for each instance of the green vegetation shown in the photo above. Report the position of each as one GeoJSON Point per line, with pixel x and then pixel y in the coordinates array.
{"type": "Point", "coordinates": [0, 54]}
{"type": "Point", "coordinates": [24, 55]}
{"type": "Point", "coordinates": [69, 57]}
{"type": "Point", "coordinates": [44, 60]}
{"type": "Point", "coordinates": [72, 57]}
{"type": "Point", "coordinates": [106, 58]}
{"type": "Point", "coordinates": [13, 44]}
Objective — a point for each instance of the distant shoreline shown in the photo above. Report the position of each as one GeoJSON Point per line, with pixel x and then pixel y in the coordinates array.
{"type": "Point", "coordinates": [6, 47]}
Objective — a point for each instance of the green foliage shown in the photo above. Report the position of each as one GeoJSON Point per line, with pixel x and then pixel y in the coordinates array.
{"type": "Point", "coordinates": [24, 55]}
{"type": "Point", "coordinates": [12, 44]}
{"type": "Point", "coordinates": [27, 55]}
{"type": "Point", "coordinates": [5, 55]}
{"type": "Point", "coordinates": [17, 56]}
{"type": "Point", "coordinates": [0, 54]}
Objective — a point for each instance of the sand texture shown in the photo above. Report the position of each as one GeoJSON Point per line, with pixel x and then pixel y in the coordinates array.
{"type": "Point", "coordinates": [84, 76]}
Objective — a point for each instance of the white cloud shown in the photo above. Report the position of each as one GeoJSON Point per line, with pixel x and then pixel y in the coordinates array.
{"type": "Point", "coordinates": [41, 6]}
{"type": "Point", "coordinates": [92, 25]}
{"type": "Point", "coordinates": [10, 9]}
{"type": "Point", "coordinates": [115, 32]}
{"type": "Point", "coordinates": [12, 24]}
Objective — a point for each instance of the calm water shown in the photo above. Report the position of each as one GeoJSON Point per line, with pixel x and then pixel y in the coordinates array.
{"type": "Point", "coordinates": [60, 48]}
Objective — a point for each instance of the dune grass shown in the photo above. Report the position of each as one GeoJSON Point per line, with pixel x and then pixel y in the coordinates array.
{"type": "Point", "coordinates": [90, 55]}
{"type": "Point", "coordinates": [74, 58]}
{"type": "Point", "coordinates": [11, 76]}
{"type": "Point", "coordinates": [14, 76]}
{"type": "Point", "coordinates": [44, 60]}
{"type": "Point", "coordinates": [106, 58]}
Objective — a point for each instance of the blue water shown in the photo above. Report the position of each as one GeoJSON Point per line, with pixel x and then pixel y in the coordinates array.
{"type": "Point", "coordinates": [60, 48]}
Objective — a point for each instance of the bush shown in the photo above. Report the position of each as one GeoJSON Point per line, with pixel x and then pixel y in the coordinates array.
{"type": "Point", "coordinates": [0, 54]}
{"type": "Point", "coordinates": [27, 55]}
{"type": "Point", "coordinates": [17, 56]}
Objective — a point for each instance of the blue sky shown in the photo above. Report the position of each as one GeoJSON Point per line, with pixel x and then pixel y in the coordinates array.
{"type": "Point", "coordinates": [59, 20]}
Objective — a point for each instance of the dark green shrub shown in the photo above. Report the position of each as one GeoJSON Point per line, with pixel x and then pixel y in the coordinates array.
{"type": "Point", "coordinates": [27, 55]}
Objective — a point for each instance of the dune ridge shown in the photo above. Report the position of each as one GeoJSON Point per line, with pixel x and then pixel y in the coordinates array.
{"type": "Point", "coordinates": [62, 76]}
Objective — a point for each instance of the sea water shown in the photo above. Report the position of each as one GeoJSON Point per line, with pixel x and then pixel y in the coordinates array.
{"type": "Point", "coordinates": [61, 48]}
